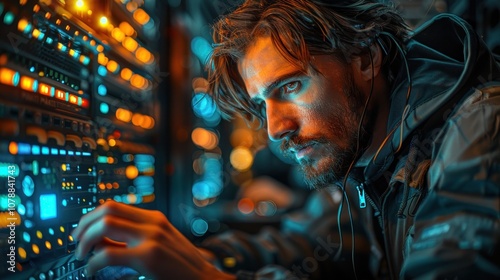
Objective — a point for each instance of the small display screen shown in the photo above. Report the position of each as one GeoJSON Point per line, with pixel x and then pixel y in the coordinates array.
{"type": "Point", "coordinates": [48, 206]}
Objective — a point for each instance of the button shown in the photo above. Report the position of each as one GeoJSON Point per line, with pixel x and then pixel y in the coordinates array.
{"type": "Point", "coordinates": [38, 132]}
{"type": "Point", "coordinates": [75, 139]}
{"type": "Point", "coordinates": [89, 141]}
{"type": "Point", "coordinates": [59, 137]}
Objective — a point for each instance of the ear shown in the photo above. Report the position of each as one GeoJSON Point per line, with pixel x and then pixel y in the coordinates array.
{"type": "Point", "coordinates": [362, 63]}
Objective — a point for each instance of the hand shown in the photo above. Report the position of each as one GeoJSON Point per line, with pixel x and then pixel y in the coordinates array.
{"type": "Point", "coordinates": [141, 239]}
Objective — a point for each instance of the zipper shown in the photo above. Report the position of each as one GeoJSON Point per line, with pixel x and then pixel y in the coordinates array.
{"type": "Point", "coordinates": [361, 195]}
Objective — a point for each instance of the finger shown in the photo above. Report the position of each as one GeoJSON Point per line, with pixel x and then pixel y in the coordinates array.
{"type": "Point", "coordinates": [111, 227]}
{"type": "Point", "coordinates": [106, 242]}
{"type": "Point", "coordinates": [131, 213]}
{"type": "Point", "coordinates": [121, 256]}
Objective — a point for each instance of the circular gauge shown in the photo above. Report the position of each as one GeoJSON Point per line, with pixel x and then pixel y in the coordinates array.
{"type": "Point", "coordinates": [28, 186]}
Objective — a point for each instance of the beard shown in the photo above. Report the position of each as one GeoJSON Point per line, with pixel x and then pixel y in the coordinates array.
{"type": "Point", "coordinates": [333, 166]}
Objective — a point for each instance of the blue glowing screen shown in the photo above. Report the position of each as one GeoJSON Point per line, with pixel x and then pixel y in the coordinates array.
{"type": "Point", "coordinates": [48, 206]}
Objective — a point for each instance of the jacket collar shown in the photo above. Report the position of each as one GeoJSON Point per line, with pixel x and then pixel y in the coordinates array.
{"type": "Point", "coordinates": [445, 58]}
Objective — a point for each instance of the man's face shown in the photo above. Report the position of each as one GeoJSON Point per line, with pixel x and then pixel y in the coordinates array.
{"type": "Point", "coordinates": [315, 114]}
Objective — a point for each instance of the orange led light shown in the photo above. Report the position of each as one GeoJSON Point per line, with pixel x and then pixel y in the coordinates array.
{"type": "Point", "coordinates": [127, 28]}
{"type": "Point", "coordinates": [112, 66]}
{"type": "Point", "coordinates": [126, 74]}
{"type": "Point", "coordinates": [29, 84]}
{"type": "Point", "coordinates": [123, 115]}
{"type": "Point", "coordinates": [130, 44]}
{"type": "Point", "coordinates": [141, 16]}
{"type": "Point", "coordinates": [137, 119]}
{"type": "Point", "coordinates": [73, 99]}
{"type": "Point", "coordinates": [23, 25]}
{"type": "Point", "coordinates": [13, 149]}
{"type": "Point", "coordinates": [9, 77]}
{"type": "Point", "coordinates": [131, 172]}
{"type": "Point", "coordinates": [118, 34]}
{"type": "Point", "coordinates": [61, 94]}
{"type": "Point", "coordinates": [144, 55]}
{"type": "Point", "coordinates": [36, 33]}
{"type": "Point", "coordinates": [45, 89]}
{"type": "Point", "coordinates": [138, 81]}
{"type": "Point", "coordinates": [22, 253]}
{"type": "Point", "coordinates": [102, 59]}
{"type": "Point", "coordinates": [35, 249]}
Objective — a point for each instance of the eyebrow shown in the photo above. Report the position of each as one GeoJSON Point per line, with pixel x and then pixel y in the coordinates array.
{"type": "Point", "coordinates": [277, 82]}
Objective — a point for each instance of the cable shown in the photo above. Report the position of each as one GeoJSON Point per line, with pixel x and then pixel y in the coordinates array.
{"type": "Point", "coordinates": [345, 196]}
{"type": "Point", "coordinates": [406, 108]}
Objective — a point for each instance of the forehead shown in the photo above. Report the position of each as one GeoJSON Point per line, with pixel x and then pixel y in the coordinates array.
{"type": "Point", "coordinates": [262, 64]}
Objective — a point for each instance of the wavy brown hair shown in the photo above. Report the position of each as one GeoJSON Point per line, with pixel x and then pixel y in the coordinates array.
{"type": "Point", "coordinates": [298, 29]}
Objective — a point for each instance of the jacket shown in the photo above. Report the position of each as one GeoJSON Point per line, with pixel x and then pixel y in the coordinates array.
{"type": "Point", "coordinates": [427, 205]}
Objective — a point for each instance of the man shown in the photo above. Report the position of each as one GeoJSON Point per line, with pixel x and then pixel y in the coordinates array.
{"type": "Point", "coordinates": [406, 126]}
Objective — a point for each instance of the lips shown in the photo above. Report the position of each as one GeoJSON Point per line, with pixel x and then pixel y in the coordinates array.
{"type": "Point", "coordinates": [303, 151]}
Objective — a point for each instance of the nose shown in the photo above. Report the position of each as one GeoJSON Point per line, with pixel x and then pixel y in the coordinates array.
{"type": "Point", "coordinates": [281, 120]}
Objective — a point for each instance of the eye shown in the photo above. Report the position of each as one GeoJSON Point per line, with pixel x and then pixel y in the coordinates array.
{"type": "Point", "coordinates": [291, 87]}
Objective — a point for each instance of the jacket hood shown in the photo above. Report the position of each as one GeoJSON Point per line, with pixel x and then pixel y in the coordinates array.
{"type": "Point", "coordinates": [445, 59]}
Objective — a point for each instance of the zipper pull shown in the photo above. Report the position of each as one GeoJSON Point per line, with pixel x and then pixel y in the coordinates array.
{"type": "Point", "coordinates": [361, 194]}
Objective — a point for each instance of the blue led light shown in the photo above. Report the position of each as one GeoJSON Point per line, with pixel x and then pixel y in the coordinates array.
{"type": "Point", "coordinates": [86, 60]}
{"type": "Point", "coordinates": [199, 227]}
{"type": "Point", "coordinates": [8, 18]}
{"type": "Point", "coordinates": [54, 151]}
{"type": "Point", "coordinates": [143, 180]}
{"type": "Point", "coordinates": [201, 48]}
{"type": "Point", "coordinates": [101, 70]}
{"type": "Point", "coordinates": [102, 90]}
{"type": "Point", "coordinates": [28, 223]}
{"type": "Point", "coordinates": [45, 170]}
{"type": "Point", "coordinates": [28, 28]}
{"type": "Point", "coordinates": [51, 231]}
{"type": "Point", "coordinates": [102, 159]}
{"type": "Point", "coordinates": [23, 148]}
{"type": "Point", "coordinates": [49, 209]}
{"type": "Point", "coordinates": [45, 150]}
{"type": "Point", "coordinates": [86, 154]}
{"type": "Point", "coordinates": [26, 237]}
{"type": "Point", "coordinates": [41, 36]}
{"type": "Point", "coordinates": [21, 209]}
{"type": "Point", "coordinates": [104, 108]}
{"type": "Point", "coordinates": [203, 105]}
{"type": "Point", "coordinates": [62, 152]}
{"type": "Point", "coordinates": [71, 153]}
{"type": "Point", "coordinates": [15, 79]}
{"type": "Point", "coordinates": [78, 153]}
{"type": "Point", "coordinates": [144, 158]}
{"type": "Point", "coordinates": [35, 86]}
{"type": "Point", "coordinates": [35, 150]}
{"type": "Point", "coordinates": [32, 69]}
{"type": "Point", "coordinates": [49, 40]}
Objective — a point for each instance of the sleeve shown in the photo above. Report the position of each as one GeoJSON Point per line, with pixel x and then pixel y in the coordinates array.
{"type": "Point", "coordinates": [306, 245]}
{"type": "Point", "coordinates": [457, 230]}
